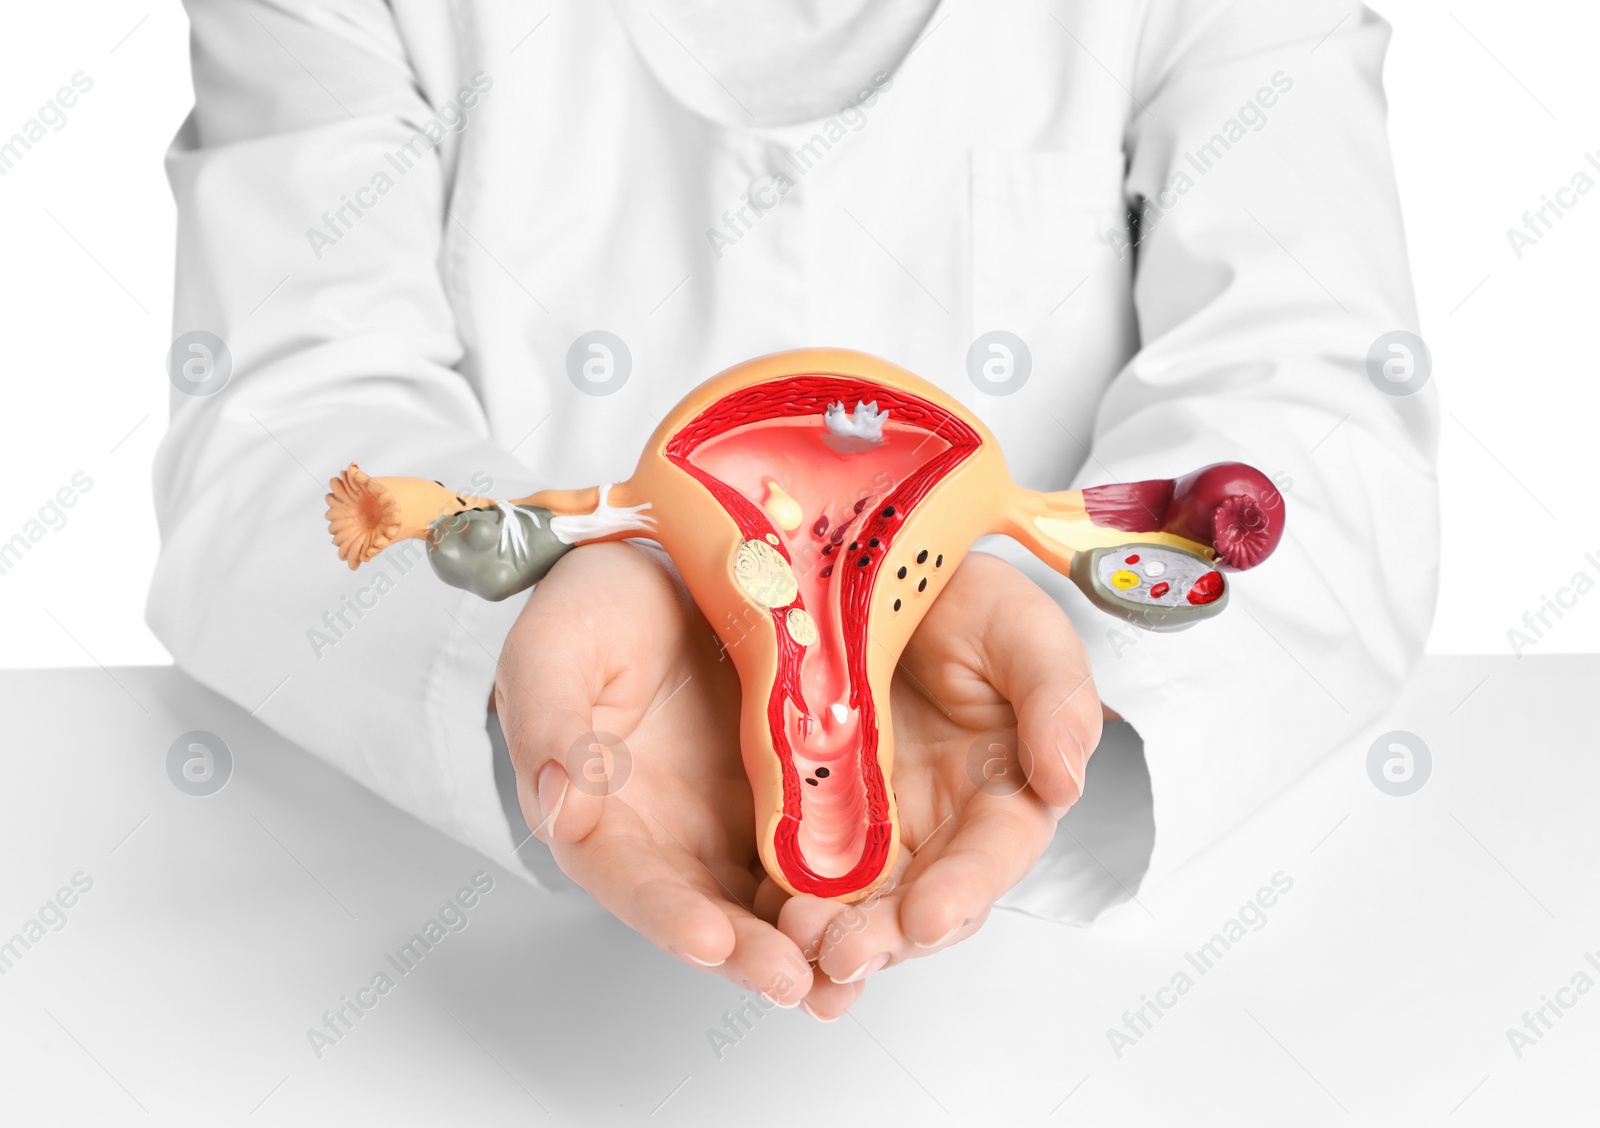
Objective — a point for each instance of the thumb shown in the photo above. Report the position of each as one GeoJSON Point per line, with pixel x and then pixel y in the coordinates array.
{"type": "Point", "coordinates": [565, 769]}
{"type": "Point", "coordinates": [565, 772]}
{"type": "Point", "coordinates": [567, 648]}
{"type": "Point", "coordinates": [1037, 662]}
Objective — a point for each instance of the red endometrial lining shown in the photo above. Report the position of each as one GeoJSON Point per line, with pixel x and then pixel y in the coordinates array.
{"type": "Point", "coordinates": [834, 835]}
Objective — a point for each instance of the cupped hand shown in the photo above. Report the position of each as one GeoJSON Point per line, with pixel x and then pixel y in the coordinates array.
{"type": "Point", "coordinates": [621, 714]}
{"type": "Point", "coordinates": [995, 716]}
{"type": "Point", "coordinates": [622, 719]}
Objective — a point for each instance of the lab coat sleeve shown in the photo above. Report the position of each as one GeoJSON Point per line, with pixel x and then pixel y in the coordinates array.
{"type": "Point", "coordinates": [311, 196]}
{"type": "Point", "coordinates": [1269, 259]}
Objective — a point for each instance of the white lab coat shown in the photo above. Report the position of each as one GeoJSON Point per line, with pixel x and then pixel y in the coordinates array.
{"type": "Point", "coordinates": [580, 171]}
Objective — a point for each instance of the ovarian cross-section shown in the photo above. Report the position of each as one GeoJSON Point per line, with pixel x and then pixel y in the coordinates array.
{"type": "Point", "coordinates": [816, 503]}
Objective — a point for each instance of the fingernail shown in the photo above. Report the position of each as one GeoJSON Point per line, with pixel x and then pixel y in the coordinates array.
{"type": "Point", "coordinates": [875, 964]}
{"type": "Point", "coordinates": [805, 1006]}
{"type": "Point", "coordinates": [692, 958]}
{"type": "Point", "coordinates": [749, 985]}
{"type": "Point", "coordinates": [1073, 756]}
{"type": "Point", "coordinates": [945, 937]}
{"type": "Point", "coordinates": [553, 784]}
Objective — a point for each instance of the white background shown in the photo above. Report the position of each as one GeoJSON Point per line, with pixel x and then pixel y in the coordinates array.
{"type": "Point", "coordinates": [1492, 109]}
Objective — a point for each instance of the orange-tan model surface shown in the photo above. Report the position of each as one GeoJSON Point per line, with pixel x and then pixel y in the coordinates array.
{"type": "Point", "coordinates": [813, 501]}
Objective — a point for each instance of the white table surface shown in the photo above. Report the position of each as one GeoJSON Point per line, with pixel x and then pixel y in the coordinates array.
{"type": "Point", "coordinates": [218, 930]}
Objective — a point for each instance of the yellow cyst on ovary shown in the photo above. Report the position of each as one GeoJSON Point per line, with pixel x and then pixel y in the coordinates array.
{"type": "Point", "coordinates": [784, 510]}
{"type": "Point", "coordinates": [1124, 579]}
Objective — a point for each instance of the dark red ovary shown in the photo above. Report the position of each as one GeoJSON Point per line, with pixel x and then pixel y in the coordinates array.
{"type": "Point", "coordinates": [1232, 507]}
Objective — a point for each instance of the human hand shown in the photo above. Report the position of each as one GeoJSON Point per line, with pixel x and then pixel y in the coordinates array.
{"type": "Point", "coordinates": [661, 835]}
{"type": "Point", "coordinates": [995, 717]}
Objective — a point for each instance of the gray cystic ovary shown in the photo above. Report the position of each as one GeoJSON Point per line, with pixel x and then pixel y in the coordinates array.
{"type": "Point", "coordinates": [496, 551]}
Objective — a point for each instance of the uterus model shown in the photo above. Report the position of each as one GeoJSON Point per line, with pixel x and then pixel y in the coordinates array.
{"type": "Point", "coordinates": [816, 503]}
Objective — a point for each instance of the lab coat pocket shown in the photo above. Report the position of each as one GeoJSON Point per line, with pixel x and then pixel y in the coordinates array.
{"type": "Point", "coordinates": [1044, 231]}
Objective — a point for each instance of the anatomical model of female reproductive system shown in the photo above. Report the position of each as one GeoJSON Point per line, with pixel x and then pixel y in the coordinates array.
{"type": "Point", "coordinates": [812, 500]}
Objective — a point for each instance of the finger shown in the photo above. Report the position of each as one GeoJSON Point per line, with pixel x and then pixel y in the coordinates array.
{"type": "Point", "coordinates": [1037, 662]}
{"type": "Point", "coordinates": [945, 898]}
{"type": "Point", "coordinates": [814, 922]}
{"type": "Point", "coordinates": [627, 874]}
{"type": "Point", "coordinates": [855, 942]}
{"type": "Point", "coordinates": [769, 900]}
{"type": "Point", "coordinates": [998, 842]}
{"type": "Point", "coordinates": [560, 656]}
{"type": "Point", "coordinates": [546, 685]}
{"type": "Point", "coordinates": [804, 919]}
{"type": "Point", "coordinates": [828, 1000]}
{"type": "Point", "coordinates": [862, 940]}
{"type": "Point", "coordinates": [564, 771]}
{"type": "Point", "coordinates": [763, 959]}
{"type": "Point", "coordinates": [766, 961]}
{"type": "Point", "coordinates": [661, 892]}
